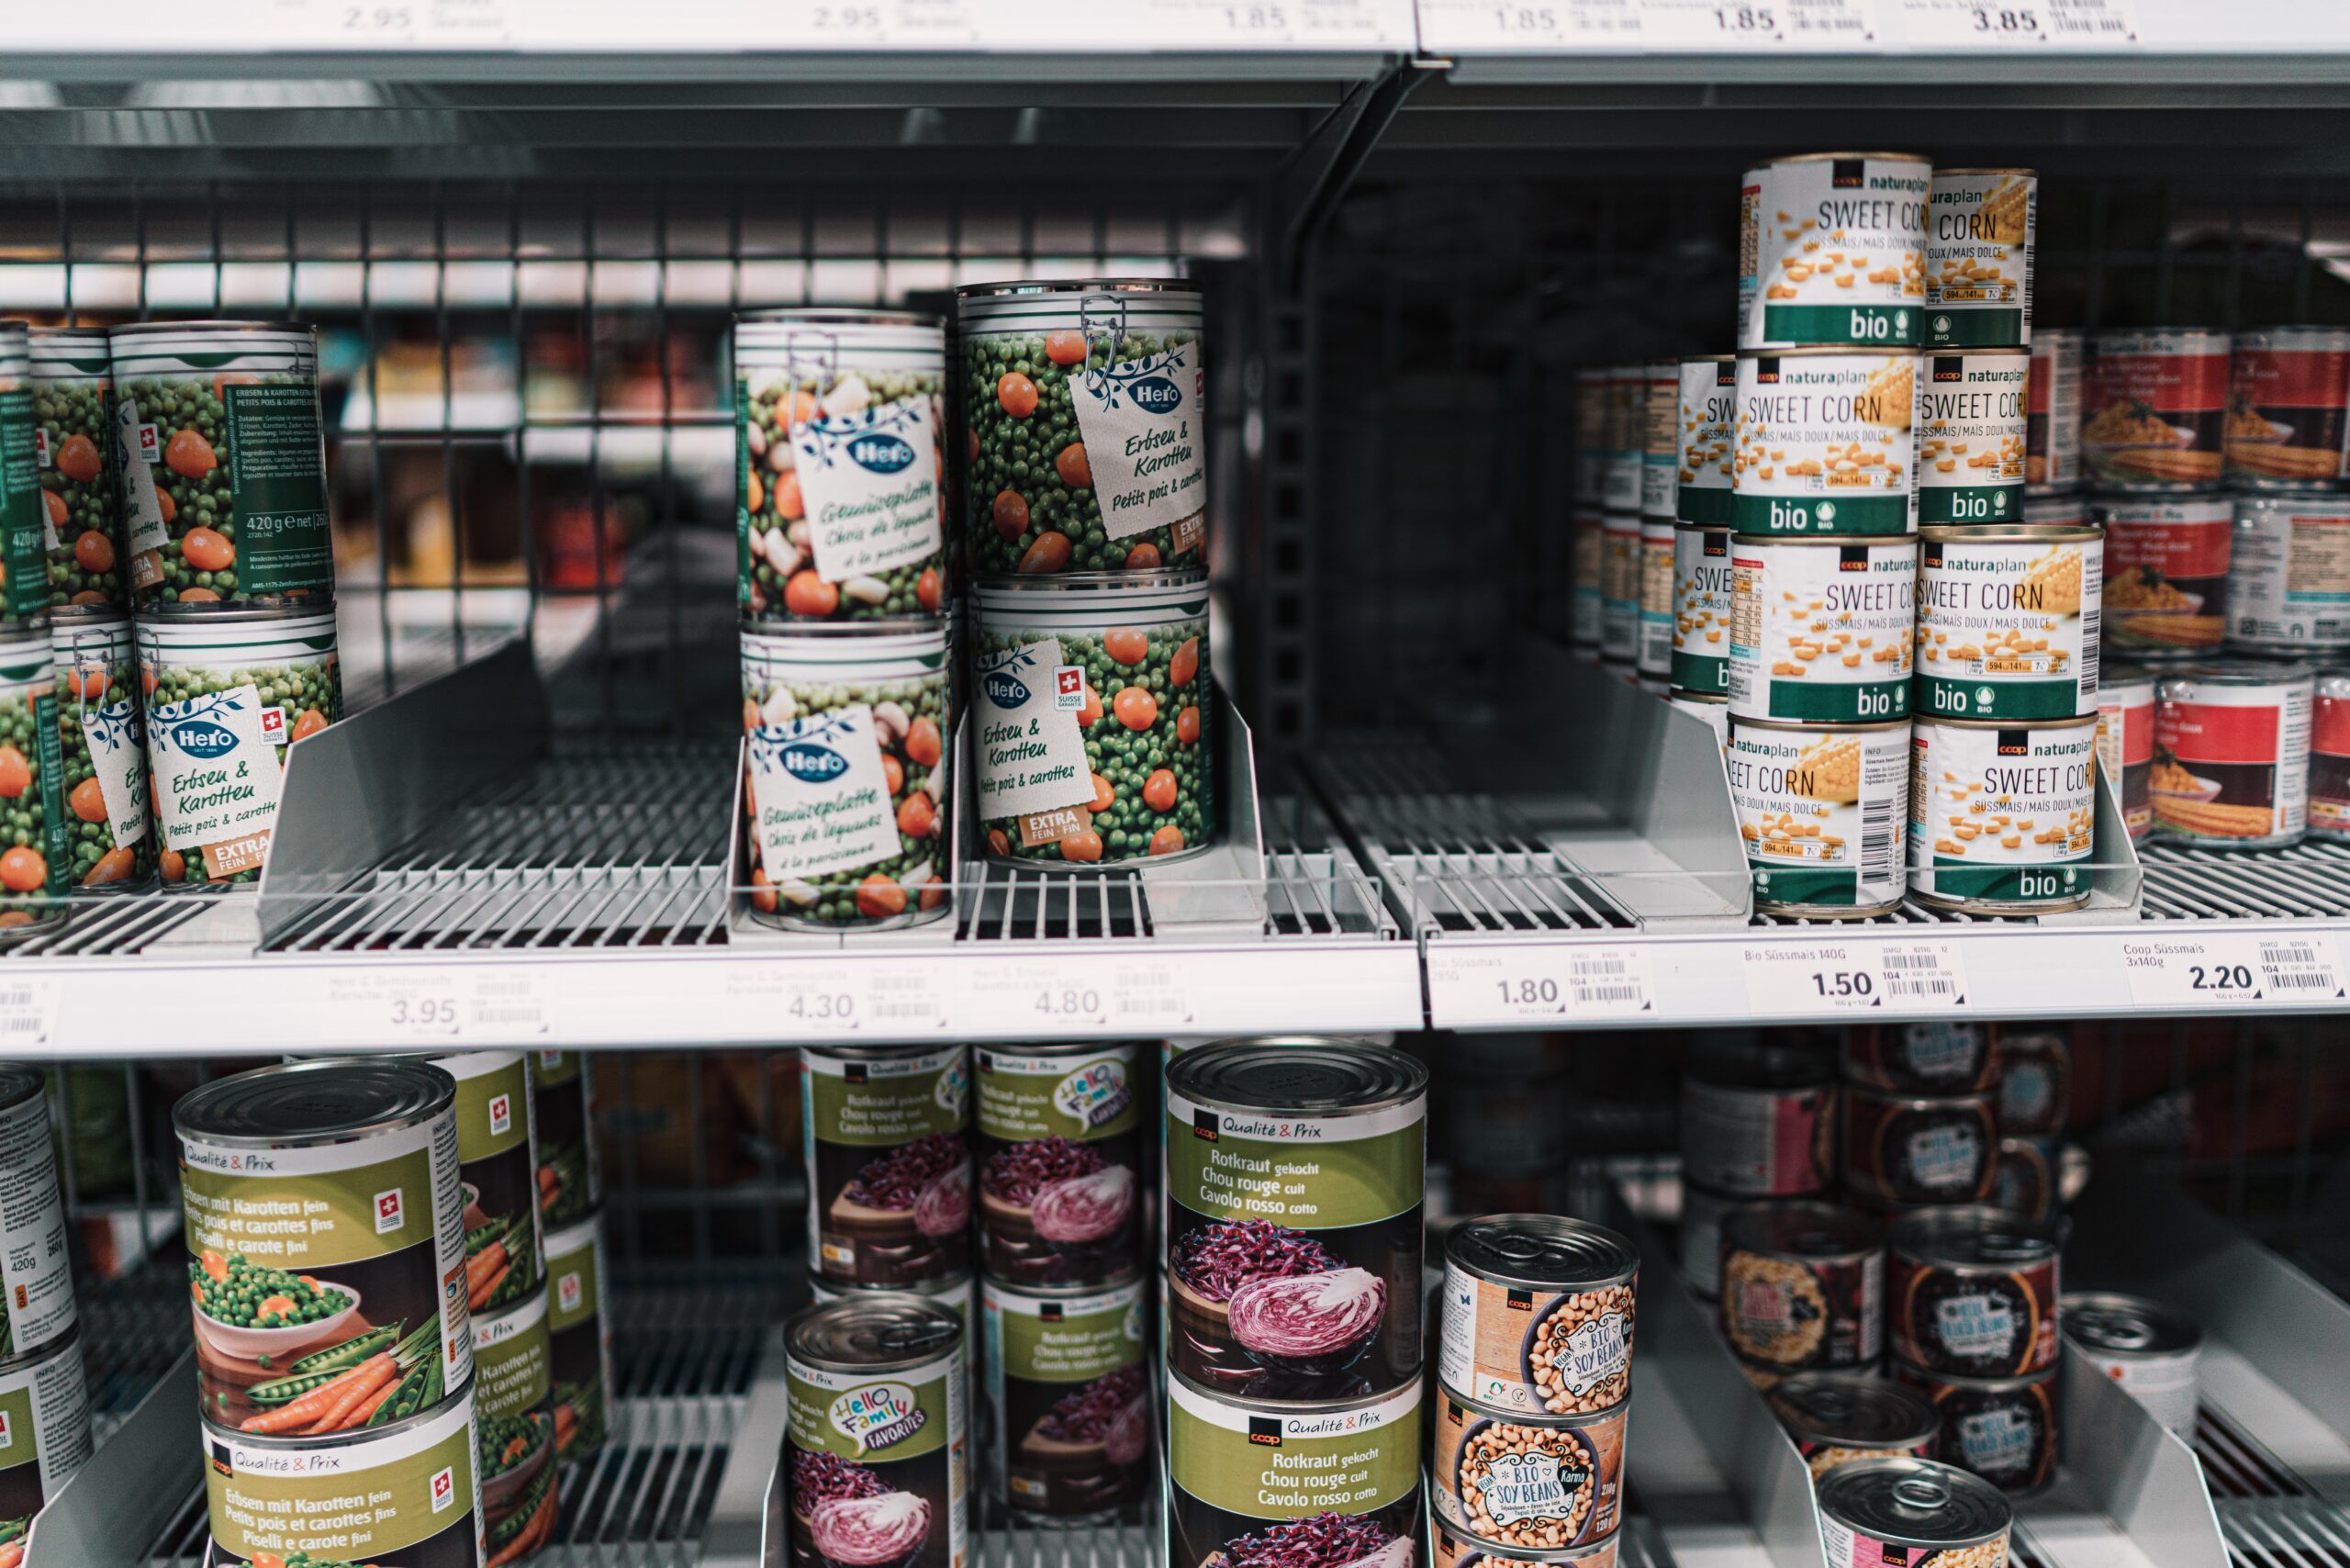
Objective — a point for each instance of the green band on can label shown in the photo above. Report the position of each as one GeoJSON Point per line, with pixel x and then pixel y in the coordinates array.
{"type": "Point", "coordinates": [1781, 885]}
{"type": "Point", "coordinates": [1706, 676]}
{"type": "Point", "coordinates": [890, 1171]}
{"type": "Point", "coordinates": [1974, 329]}
{"type": "Point", "coordinates": [1851, 702]}
{"type": "Point", "coordinates": [2009, 884]}
{"type": "Point", "coordinates": [1704, 506]}
{"type": "Point", "coordinates": [1970, 503]}
{"type": "Point", "coordinates": [1857, 514]}
{"type": "Point", "coordinates": [1872, 326]}
{"type": "Point", "coordinates": [1942, 698]}
{"type": "Point", "coordinates": [571, 1183]}
{"type": "Point", "coordinates": [277, 477]}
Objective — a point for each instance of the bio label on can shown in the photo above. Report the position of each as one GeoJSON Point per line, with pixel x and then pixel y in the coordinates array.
{"type": "Point", "coordinates": [2288, 407]}
{"type": "Point", "coordinates": [2052, 413]}
{"type": "Point", "coordinates": [888, 1172]}
{"type": "Point", "coordinates": [580, 1338]}
{"type": "Point", "coordinates": [1820, 630]}
{"type": "Point", "coordinates": [1060, 1151]}
{"type": "Point", "coordinates": [1653, 651]}
{"type": "Point", "coordinates": [877, 1455]}
{"type": "Point", "coordinates": [1831, 250]}
{"type": "Point", "coordinates": [1330, 1481]}
{"type": "Point", "coordinates": [36, 1267]}
{"type": "Point", "coordinates": [1068, 1379]}
{"type": "Point", "coordinates": [2167, 573]}
{"type": "Point", "coordinates": [1822, 814]}
{"type": "Point", "coordinates": [1980, 228]}
{"type": "Point", "coordinates": [2007, 621]}
{"type": "Point", "coordinates": [2003, 814]}
{"type": "Point", "coordinates": [2154, 409]}
{"type": "Point", "coordinates": [1825, 443]}
{"type": "Point", "coordinates": [515, 1425]}
{"type": "Point", "coordinates": [1707, 439]}
{"type": "Point", "coordinates": [2289, 572]}
{"type": "Point", "coordinates": [45, 1419]}
{"type": "Point", "coordinates": [292, 1499]}
{"type": "Point", "coordinates": [1704, 598]}
{"type": "Point", "coordinates": [1971, 437]}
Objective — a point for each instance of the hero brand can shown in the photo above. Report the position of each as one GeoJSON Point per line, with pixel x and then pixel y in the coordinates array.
{"type": "Point", "coordinates": [1539, 1314]}
{"type": "Point", "coordinates": [2005, 1430]}
{"type": "Point", "coordinates": [1628, 393]}
{"type": "Point", "coordinates": [1705, 435]}
{"type": "Point", "coordinates": [2051, 437]}
{"type": "Point", "coordinates": [2165, 573]}
{"type": "Point", "coordinates": [1653, 654]}
{"type": "Point", "coordinates": [1917, 1148]}
{"type": "Point", "coordinates": [1889, 1513]}
{"type": "Point", "coordinates": [2003, 816]}
{"type": "Point", "coordinates": [1832, 250]}
{"type": "Point", "coordinates": [1704, 598]}
{"type": "Point", "coordinates": [1619, 588]}
{"type": "Point", "coordinates": [1758, 1123]}
{"type": "Point", "coordinates": [1591, 406]}
{"type": "Point", "coordinates": [2125, 742]}
{"type": "Point", "coordinates": [1823, 812]}
{"type": "Point", "coordinates": [2329, 758]}
{"type": "Point", "coordinates": [1587, 532]}
{"type": "Point", "coordinates": [2007, 621]}
{"type": "Point", "coordinates": [1803, 1286]}
{"type": "Point", "coordinates": [875, 1447]}
{"type": "Point", "coordinates": [1825, 442]}
{"type": "Point", "coordinates": [1970, 423]}
{"type": "Point", "coordinates": [1821, 628]}
{"type": "Point", "coordinates": [1518, 1479]}
{"type": "Point", "coordinates": [1980, 227]}
{"type": "Point", "coordinates": [1921, 1058]}
{"type": "Point", "coordinates": [1839, 1417]}
{"type": "Point", "coordinates": [2288, 407]}
{"type": "Point", "coordinates": [2154, 409]}
{"type": "Point", "coordinates": [1660, 439]}
{"type": "Point", "coordinates": [1973, 1291]}
{"type": "Point", "coordinates": [2231, 754]}
{"type": "Point", "coordinates": [2288, 573]}
{"type": "Point", "coordinates": [2144, 1346]}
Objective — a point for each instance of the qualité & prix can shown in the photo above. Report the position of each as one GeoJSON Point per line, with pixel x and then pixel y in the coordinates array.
{"type": "Point", "coordinates": [884, 1133]}
{"type": "Point", "coordinates": [2125, 742]}
{"type": "Point", "coordinates": [1319, 1481]}
{"type": "Point", "coordinates": [2165, 573]}
{"type": "Point", "coordinates": [2329, 807]}
{"type": "Point", "coordinates": [2052, 441]}
{"type": "Point", "coordinates": [2155, 407]}
{"type": "Point", "coordinates": [415, 1476]}
{"type": "Point", "coordinates": [2288, 407]}
{"type": "Point", "coordinates": [1068, 1379]}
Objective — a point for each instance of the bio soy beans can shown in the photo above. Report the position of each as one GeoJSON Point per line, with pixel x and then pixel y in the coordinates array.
{"type": "Point", "coordinates": [1705, 435]}
{"type": "Point", "coordinates": [1837, 1419]}
{"type": "Point", "coordinates": [2231, 754]}
{"type": "Point", "coordinates": [102, 738]}
{"type": "Point", "coordinates": [2006, 1430]}
{"type": "Point", "coordinates": [1822, 813]}
{"type": "Point", "coordinates": [1970, 423]}
{"type": "Point", "coordinates": [1825, 442]}
{"type": "Point", "coordinates": [1545, 1482]}
{"type": "Point", "coordinates": [877, 1455]}
{"type": "Point", "coordinates": [1898, 1510]}
{"type": "Point", "coordinates": [2007, 621]}
{"type": "Point", "coordinates": [1703, 599]}
{"type": "Point", "coordinates": [1539, 1312]}
{"type": "Point", "coordinates": [1060, 1131]}
{"type": "Point", "coordinates": [1917, 1148]}
{"type": "Point", "coordinates": [1068, 1381]}
{"type": "Point", "coordinates": [2288, 573]}
{"type": "Point", "coordinates": [1456, 1548]}
{"type": "Point", "coordinates": [75, 453]}
{"type": "Point", "coordinates": [1980, 228]}
{"type": "Point", "coordinates": [1832, 250]}
{"type": "Point", "coordinates": [1334, 1481]}
{"type": "Point", "coordinates": [889, 1172]}
{"type": "Point", "coordinates": [1821, 628]}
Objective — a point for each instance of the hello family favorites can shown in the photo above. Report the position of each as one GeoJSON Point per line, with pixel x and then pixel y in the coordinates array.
{"type": "Point", "coordinates": [1821, 628]}
{"type": "Point", "coordinates": [580, 1338]}
{"type": "Point", "coordinates": [845, 731]}
{"type": "Point", "coordinates": [1294, 1173]}
{"type": "Point", "coordinates": [1802, 1285]}
{"type": "Point", "coordinates": [2145, 1346]}
{"type": "Point", "coordinates": [1758, 1123]}
{"type": "Point", "coordinates": [2328, 806]}
{"type": "Point", "coordinates": [228, 693]}
{"type": "Point", "coordinates": [1704, 602]}
{"type": "Point", "coordinates": [1917, 1148]}
{"type": "Point", "coordinates": [325, 1227]}
{"type": "Point", "coordinates": [877, 1457]}
{"type": "Point", "coordinates": [1537, 1314]}
{"type": "Point", "coordinates": [36, 1270]}
{"type": "Point", "coordinates": [1925, 1058]}
{"type": "Point", "coordinates": [1093, 704]}
{"type": "Point", "coordinates": [1061, 1130]}
{"type": "Point", "coordinates": [1545, 1482]}
{"type": "Point", "coordinates": [1825, 442]}
{"type": "Point", "coordinates": [1083, 407]}
{"type": "Point", "coordinates": [1589, 541]}
{"type": "Point", "coordinates": [2288, 407]}
{"type": "Point", "coordinates": [1980, 228]}
{"type": "Point", "coordinates": [73, 449]}
{"type": "Point", "coordinates": [840, 420]}
{"type": "Point", "coordinates": [2232, 753]}
{"type": "Point", "coordinates": [2154, 409]}
{"type": "Point", "coordinates": [2051, 439]}
{"type": "Point", "coordinates": [2006, 1430]}
{"type": "Point", "coordinates": [1069, 1385]}
{"type": "Point", "coordinates": [2007, 621]}
{"type": "Point", "coordinates": [1832, 248]}
{"type": "Point", "coordinates": [1835, 1418]}
{"type": "Point", "coordinates": [45, 1412]}
{"type": "Point", "coordinates": [563, 1116]}
{"type": "Point", "coordinates": [889, 1172]}
{"type": "Point", "coordinates": [1822, 813]}
{"type": "Point", "coordinates": [25, 510]}
{"type": "Point", "coordinates": [1653, 650]}
{"type": "Point", "coordinates": [223, 462]}
{"type": "Point", "coordinates": [1705, 437]}
{"type": "Point", "coordinates": [1973, 1291]}
{"type": "Point", "coordinates": [101, 742]}
{"type": "Point", "coordinates": [1970, 424]}
{"type": "Point", "coordinates": [2003, 815]}
{"type": "Point", "coordinates": [2288, 573]}
{"type": "Point", "coordinates": [516, 1440]}
{"type": "Point", "coordinates": [1887, 1512]}
{"type": "Point", "coordinates": [36, 866]}
{"type": "Point", "coordinates": [2165, 573]}
{"type": "Point", "coordinates": [1332, 1480]}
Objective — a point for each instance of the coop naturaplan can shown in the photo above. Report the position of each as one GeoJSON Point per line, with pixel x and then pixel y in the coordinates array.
{"type": "Point", "coordinates": [1094, 708]}
{"type": "Point", "coordinates": [2149, 1350]}
{"type": "Point", "coordinates": [2167, 573]}
{"type": "Point", "coordinates": [2288, 407]}
{"type": "Point", "coordinates": [1319, 1481]}
{"type": "Point", "coordinates": [1704, 600]}
{"type": "Point", "coordinates": [1980, 228]}
{"type": "Point", "coordinates": [2288, 573]}
{"type": "Point", "coordinates": [102, 741]}
{"type": "Point", "coordinates": [889, 1172]}
{"type": "Point", "coordinates": [1832, 250]}
{"type": "Point", "coordinates": [1825, 442]}
{"type": "Point", "coordinates": [2007, 621]}
{"type": "Point", "coordinates": [1973, 1291]}
{"type": "Point", "coordinates": [1903, 1149]}
{"type": "Point", "coordinates": [1822, 811]}
{"type": "Point", "coordinates": [1802, 1286]}
{"type": "Point", "coordinates": [1970, 428]}
{"type": "Point", "coordinates": [517, 1439]}
{"type": "Point", "coordinates": [45, 1416]}
{"type": "Point", "coordinates": [1519, 1479]}
{"type": "Point", "coordinates": [877, 1456]}
{"type": "Point", "coordinates": [1619, 588]}
{"type": "Point", "coordinates": [74, 451]}
{"type": "Point", "coordinates": [230, 691]}
{"type": "Point", "coordinates": [24, 509]}
{"type": "Point", "coordinates": [36, 1271]}
{"type": "Point", "coordinates": [1069, 1385]}
{"type": "Point", "coordinates": [2329, 808]}
{"type": "Point", "coordinates": [1835, 1418]}
{"type": "Point", "coordinates": [2003, 813]}
{"type": "Point", "coordinates": [1821, 628]}
{"type": "Point", "coordinates": [1588, 540]}
{"type": "Point", "coordinates": [2231, 754]}
{"type": "Point", "coordinates": [2154, 409]}
{"type": "Point", "coordinates": [579, 1337]}
{"type": "Point", "coordinates": [2052, 462]}
{"type": "Point", "coordinates": [325, 1230]}
{"type": "Point", "coordinates": [2006, 1430]}
{"type": "Point", "coordinates": [1899, 1510]}
{"type": "Point", "coordinates": [1539, 1312]}
{"type": "Point", "coordinates": [35, 825]}
{"type": "Point", "coordinates": [1062, 1131]}
{"type": "Point", "coordinates": [1705, 437]}
{"type": "Point", "coordinates": [1653, 650]}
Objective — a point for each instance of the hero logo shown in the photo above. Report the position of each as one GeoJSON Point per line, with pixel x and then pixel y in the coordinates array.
{"type": "Point", "coordinates": [880, 454]}
{"type": "Point", "coordinates": [1156, 395]}
{"type": "Point", "coordinates": [203, 738]}
{"type": "Point", "coordinates": [877, 1415]}
{"type": "Point", "coordinates": [1006, 689]}
{"type": "Point", "coordinates": [813, 764]}
{"type": "Point", "coordinates": [390, 1214]}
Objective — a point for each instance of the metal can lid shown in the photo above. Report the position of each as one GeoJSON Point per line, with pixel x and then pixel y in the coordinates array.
{"type": "Point", "coordinates": [1899, 541]}
{"type": "Point", "coordinates": [146, 329]}
{"type": "Point", "coordinates": [1710, 359]}
{"type": "Point", "coordinates": [887, 1331]}
{"type": "Point", "coordinates": [1550, 1251]}
{"type": "Point", "coordinates": [1924, 722]}
{"type": "Point", "coordinates": [2310, 497]}
{"type": "Point", "coordinates": [1066, 585]}
{"type": "Point", "coordinates": [1852, 1410]}
{"type": "Point", "coordinates": [2113, 1324]}
{"type": "Point", "coordinates": [1808, 1229]}
{"type": "Point", "coordinates": [1915, 1502]}
{"type": "Point", "coordinates": [1974, 1235]}
{"type": "Point", "coordinates": [327, 1100]}
{"type": "Point", "coordinates": [165, 619]}
{"type": "Point", "coordinates": [1129, 1050]}
{"type": "Point", "coordinates": [1079, 286]}
{"type": "Point", "coordinates": [2240, 672]}
{"type": "Point", "coordinates": [1298, 1074]}
{"type": "Point", "coordinates": [2334, 683]}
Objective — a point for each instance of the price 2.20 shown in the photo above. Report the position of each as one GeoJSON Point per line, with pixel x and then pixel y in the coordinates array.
{"type": "Point", "coordinates": [2219, 976]}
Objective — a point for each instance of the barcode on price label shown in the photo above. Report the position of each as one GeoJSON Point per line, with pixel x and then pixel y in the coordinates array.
{"type": "Point", "coordinates": [28, 1012]}
{"type": "Point", "coordinates": [902, 1001]}
{"type": "Point", "coordinates": [1609, 981]}
{"type": "Point", "coordinates": [2297, 969]}
{"type": "Point", "coordinates": [1923, 973]}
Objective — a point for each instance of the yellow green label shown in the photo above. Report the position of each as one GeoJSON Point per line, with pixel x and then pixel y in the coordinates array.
{"type": "Point", "coordinates": [349, 1502]}
{"type": "Point", "coordinates": [1271, 1464]}
{"type": "Point", "coordinates": [871, 1418]}
{"type": "Point", "coordinates": [885, 1102]}
{"type": "Point", "coordinates": [312, 1219]}
{"type": "Point", "coordinates": [1078, 1098]}
{"type": "Point", "coordinates": [493, 1107]}
{"type": "Point", "coordinates": [574, 1276]}
{"type": "Point", "coordinates": [1063, 1339]}
{"type": "Point", "coordinates": [1311, 1174]}
{"type": "Point", "coordinates": [512, 1370]}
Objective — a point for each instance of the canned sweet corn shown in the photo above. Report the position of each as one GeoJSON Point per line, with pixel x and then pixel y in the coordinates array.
{"type": "Point", "coordinates": [1970, 424]}
{"type": "Point", "coordinates": [1619, 588]}
{"type": "Point", "coordinates": [1821, 629]}
{"type": "Point", "coordinates": [2165, 573]}
{"type": "Point", "coordinates": [2007, 621]}
{"type": "Point", "coordinates": [2003, 816]}
{"type": "Point", "coordinates": [2125, 741]}
{"type": "Point", "coordinates": [1654, 648]}
{"type": "Point", "coordinates": [2231, 754]}
{"type": "Point", "coordinates": [2289, 572]}
{"type": "Point", "coordinates": [1832, 250]}
{"type": "Point", "coordinates": [1825, 442]}
{"type": "Point", "coordinates": [2155, 409]}
{"type": "Point", "coordinates": [1702, 602]}
{"type": "Point", "coordinates": [2288, 407]}
{"type": "Point", "coordinates": [1822, 813]}
{"type": "Point", "coordinates": [1980, 226]}
{"type": "Point", "coordinates": [1707, 434]}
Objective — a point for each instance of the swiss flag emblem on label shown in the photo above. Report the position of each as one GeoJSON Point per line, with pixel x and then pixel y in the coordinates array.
{"type": "Point", "coordinates": [149, 449]}
{"type": "Point", "coordinates": [388, 1211]}
{"type": "Point", "coordinates": [501, 1114]}
{"type": "Point", "coordinates": [567, 1292]}
{"type": "Point", "coordinates": [445, 1489]}
{"type": "Point", "coordinates": [273, 725]}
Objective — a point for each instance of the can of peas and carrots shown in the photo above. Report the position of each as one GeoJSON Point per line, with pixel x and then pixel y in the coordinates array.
{"type": "Point", "coordinates": [102, 738]}
{"type": "Point", "coordinates": [889, 1170]}
{"type": "Point", "coordinates": [1093, 701]}
{"type": "Point", "coordinates": [840, 464]}
{"type": "Point", "coordinates": [846, 729]}
{"type": "Point", "coordinates": [36, 866]}
{"type": "Point", "coordinates": [290, 1497]}
{"type": "Point", "coordinates": [563, 1120]}
{"type": "Point", "coordinates": [228, 690]}
{"type": "Point", "coordinates": [325, 1231]}
{"type": "Point", "coordinates": [46, 1403]}
{"type": "Point", "coordinates": [1088, 440]}
{"type": "Point", "coordinates": [224, 477]}
{"type": "Point", "coordinates": [875, 1445]}
{"type": "Point", "coordinates": [1060, 1156]}
{"type": "Point", "coordinates": [497, 1165]}
{"type": "Point", "coordinates": [35, 1271]}
{"type": "Point", "coordinates": [515, 1425]}
{"type": "Point", "coordinates": [1068, 1381]}
{"type": "Point", "coordinates": [73, 448]}
{"type": "Point", "coordinates": [580, 1338]}
{"type": "Point", "coordinates": [25, 510]}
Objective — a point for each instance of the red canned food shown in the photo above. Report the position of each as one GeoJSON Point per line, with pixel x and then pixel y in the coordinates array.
{"type": "Point", "coordinates": [1758, 1123]}
{"type": "Point", "coordinates": [1929, 1058]}
{"type": "Point", "coordinates": [2004, 1429]}
{"type": "Point", "coordinates": [2231, 754]}
{"type": "Point", "coordinates": [1917, 1149]}
{"type": "Point", "coordinates": [1803, 1286]}
{"type": "Point", "coordinates": [2125, 742]}
{"type": "Point", "coordinates": [2288, 407]}
{"type": "Point", "coordinates": [2165, 573]}
{"type": "Point", "coordinates": [2329, 758]}
{"type": "Point", "coordinates": [1973, 1291]}
{"type": "Point", "coordinates": [2052, 429]}
{"type": "Point", "coordinates": [2154, 409]}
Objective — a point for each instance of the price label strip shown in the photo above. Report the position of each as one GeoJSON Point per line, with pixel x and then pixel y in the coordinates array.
{"type": "Point", "coordinates": [2027, 25]}
{"type": "Point", "coordinates": [28, 1012]}
{"type": "Point", "coordinates": [1811, 979]}
{"type": "Point", "coordinates": [2232, 969]}
{"type": "Point", "coordinates": [1801, 26]}
{"type": "Point", "coordinates": [1539, 984]}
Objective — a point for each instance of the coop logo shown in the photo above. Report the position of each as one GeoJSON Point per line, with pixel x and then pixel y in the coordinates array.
{"type": "Point", "coordinates": [203, 738]}
{"type": "Point", "coordinates": [390, 1212]}
{"type": "Point", "coordinates": [813, 764]}
{"type": "Point", "coordinates": [1156, 395]}
{"type": "Point", "coordinates": [1265, 1431]}
{"type": "Point", "coordinates": [1204, 1126]}
{"type": "Point", "coordinates": [1006, 689]}
{"type": "Point", "coordinates": [877, 1415]}
{"type": "Point", "coordinates": [879, 454]}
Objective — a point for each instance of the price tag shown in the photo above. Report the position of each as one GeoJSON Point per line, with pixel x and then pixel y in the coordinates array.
{"type": "Point", "coordinates": [1922, 974]}
{"type": "Point", "coordinates": [1807, 27]}
{"type": "Point", "coordinates": [1467, 27]}
{"type": "Point", "coordinates": [388, 24]}
{"type": "Point", "coordinates": [396, 1006]}
{"type": "Point", "coordinates": [1033, 997]}
{"type": "Point", "coordinates": [1538, 984]}
{"type": "Point", "coordinates": [1151, 999]}
{"type": "Point", "coordinates": [799, 1001]}
{"type": "Point", "coordinates": [2021, 24]}
{"type": "Point", "coordinates": [2232, 969]}
{"type": "Point", "coordinates": [903, 1000]}
{"type": "Point", "coordinates": [1810, 979]}
{"type": "Point", "coordinates": [28, 1012]}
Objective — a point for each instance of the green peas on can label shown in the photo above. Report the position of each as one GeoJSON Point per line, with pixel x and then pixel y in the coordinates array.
{"type": "Point", "coordinates": [1061, 1150]}
{"type": "Point", "coordinates": [580, 1338]}
{"type": "Point", "coordinates": [877, 1458]}
{"type": "Point", "coordinates": [1333, 1480]}
{"type": "Point", "coordinates": [406, 1493]}
{"type": "Point", "coordinates": [563, 1120]}
{"type": "Point", "coordinates": [888, 1168]}
{"type": "Point", "coordinates": [102, 737]}
{"type": "Point", "coordinates": [1092, 701]}
{"type": "Point", "coordinates": [1069, 1381]}
{"type": "Point", "coordinates": [846, 736]}
{"type": "Point", "coordinates": [841, 463]}
{"type": "Point", "coordinates": [24, 511]}
{"type": "Point", "coordinates": [35, 1269]}
{"type": "Point", "coordinates": [1088, 437]}
{"type": "Point", "coordinates": [74, 451]}
{"type": "Point", "coordinates": [45, 1416]}
{"type": "Point", "coordinates": [224, 479]}
{"type": "Point", "coordinates": [228, 693]}
{"type": "Point", "coordinates": [515, 1427]}
{"type": "Point", "coordinates": [36, 845]}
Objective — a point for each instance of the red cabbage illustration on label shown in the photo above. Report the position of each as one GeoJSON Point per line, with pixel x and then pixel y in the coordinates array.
{"type": "Point", "coordinates": [865, 1532]}
{"type": "Point", "coordinates": [1326, 1541]}
{"type": "Point", "coordinates": [1079, 1209]}
{"type": "Point", "coordinates": [943, 1207]}
{"type": "Point", "coordinates": [1309, 1318]}
{"type": "Point", "coordinates": [1059, 1149]}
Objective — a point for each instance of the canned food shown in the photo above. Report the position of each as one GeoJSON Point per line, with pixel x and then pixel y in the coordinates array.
{"type": "Point", "coordinates": [1980, 228]}
{"type": "Point", "coordinates": [2071, 510]}
{"type": "Point", "coordinates": [2125, 741]}
{"type": "Point", "coordinates": [2155, 409]}
{"type": "Point", "coordinates": [1822, 813]}
{"type": "Point", "coordinates": [1837, 1419]}
{"type": "Point", "coordinates": [1903, 1148]}
{"type": "Point", "coordinates": [26, 510]}
{"type": "Point", "coordinates": [36, 1270]}
{"type": "Point", "coordinates": [1504, 1125]}
{"type": "Point", "coordinates": [47, 1405]}
{"type": "Point", "coordinates": [1592, 398]}
{"type": "Point", "coordinates": [289, 1499]}
{"type": "Point", "coordinates": [1335, 1481]}
{"type": "Point", "coordinates": [497, 1166]}
{"type": "Point", "coordinates": [1627, 411]}
{"type": "Point", "coordinates": [563, 1118]}
{"type": "Point", "coordinates": [2329, 758]}
{"type": "Point", "coordinates": [1619, 588]}
{"type": "Point", "coordinates": [2003, 1429]}
{"type": "Point", "coordinates": [1539, 1314]}
{"type": "Point", "coordinates": [73, 449]}
{"type": "Point", "coordinates": [1585, 611]}
{"type": "Point", "coordinates": [874, 1433]}
{"type": "Point", "coordinates": [36, 867]}
{"type": "Point", "coordinates": [1803, 1286]}
{"type": "Point", "coordinates": [1289, 1275]}
{"type": "Point", "coordinates": [1758, 1123]}
{"type": "Point", "coordinates": [1068, 1381]}
{"type": "Point", "coordinates": [580, 1338]}
{"type": "Point", "coordinates": [1094, 701]}
{"type": "Point", "coordinates": [2165, 573]}
{"type": "Point", "coordinates": [224, 479]}
{"type": "Point", "coordinates": [2052, 439]}
{"type": "Point", "coordinates": [2003, 816]}
{"type": "Point", "coordinates": [230, 691]}
{"type": "Point", "coordinates": [1546, 1482]}
{"type": "Point", "coordinates": [2231, 754]}
{"type": "Point", "coordinates": [1825, 442]}
{"type": "Point", "coordinates": [1060, 1154]}
{"type": "Point", "coordinates": [1703, 598]}
{"type": "Point", "coordinates": [102, 740]}
{"type": "Point", "coordinates": [2007, 621]}
{"type": "Point", "coordinates": [373, 1274]}
{"type": "Point", "coordinates": [1834, 250]}
{"type": "Point", "coordinates": [2029, 1181]}
{"type": "Point", "coordinates": [2035, 1080]}
{"type": "Point", "coordinates": [1895, 1511]}
{"type": "Point", "coordinates": [2288, 407]}
{"type": "Point", "coordinates": [1971, 423]}
{"type": "Point", "coordinates": [1109, 371]}
{"type": "Point", "coordinates": [841, 463]}
{"type": "Point", "coordinates": [1660, 440]}
{"type": "Point", "coordinates": [1921, 1058]}
{"type": "Point", "coordinates": [1699, 1238]}
{"type": "Point", "coordinates": [958, 1293]}
{"type": "Point", "coordinates": [888, 1172]}
{"type": "Point", "coordinates": [1821, 628]}
{"type": "Point", "coordinates": [1653, 649]}
{"type": "Point", "coordinates": [1973, 1291]}
{"type": "Point", "coordinates": [2145, 1346]}
{"type": "Point", "coordinates": [514, 1421]}
{"type": "Point", "coordinates": [1458, 1548]}
{"type": "Point", "coordinates": [2289, 572]}
{"type": "Point", "coordinates": [847, 790]}
{"type": "Point", "coordinates": [1708, 708]}
{"type": "Point", "coordinates": [1705, 436]}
